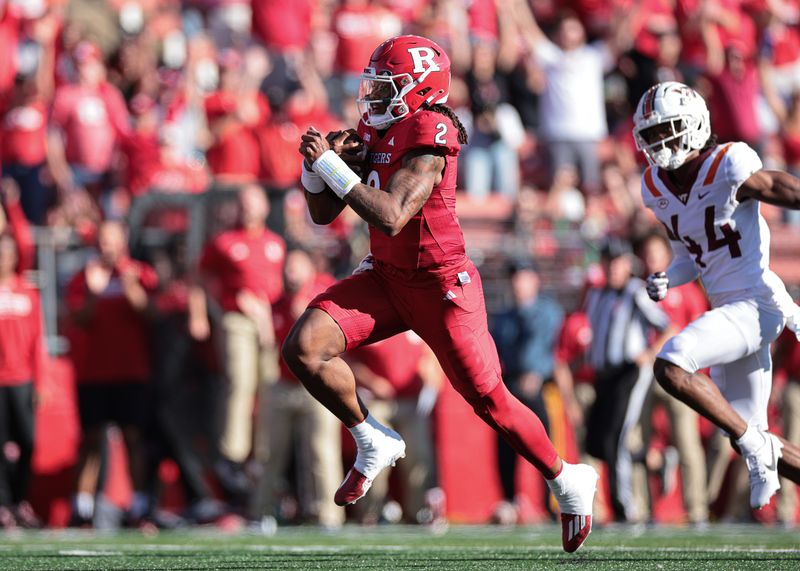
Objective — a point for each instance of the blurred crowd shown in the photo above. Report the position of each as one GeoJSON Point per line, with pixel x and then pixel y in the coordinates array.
{"type": "Point", "coordinates": [105, 103]}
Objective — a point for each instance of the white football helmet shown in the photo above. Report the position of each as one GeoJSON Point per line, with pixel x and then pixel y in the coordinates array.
{"type": "Point", "coordinates": [682, 116]}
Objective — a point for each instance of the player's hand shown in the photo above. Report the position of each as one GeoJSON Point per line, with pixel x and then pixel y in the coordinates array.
{"type": "Point", "coordinates": [657, 285]}
{"type": "Point", "coordinates": [312, 145]}
{"type": "Point", "coordinates": [350, 147]}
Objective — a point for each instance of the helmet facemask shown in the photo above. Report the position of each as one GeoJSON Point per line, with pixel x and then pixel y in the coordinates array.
{"type": "Point", "coordinates": [668, 143]}
{"type": "Point", "coordinates": [379, 101]}
{"type": "Point", "coordinates": [381, 97]}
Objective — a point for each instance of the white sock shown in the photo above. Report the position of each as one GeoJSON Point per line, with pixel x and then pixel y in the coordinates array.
{"type": "Point", "coordinates": [362, 432]}
{"type": "Point", "coordinates": [558, 484]}
{"type": "Point", "coordinates": [750, 441]}
{"type": "Point", "coordinates": [84, 505]}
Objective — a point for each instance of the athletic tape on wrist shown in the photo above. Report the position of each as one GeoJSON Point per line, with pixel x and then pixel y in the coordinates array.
{"type": "Point", "coordinates": [339, 177]}
{"type": "Point", "coordinates": [311, 181]}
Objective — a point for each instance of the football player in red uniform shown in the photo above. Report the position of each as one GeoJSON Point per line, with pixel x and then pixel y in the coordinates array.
{"type": "Point", "coordinates": [418, 276]}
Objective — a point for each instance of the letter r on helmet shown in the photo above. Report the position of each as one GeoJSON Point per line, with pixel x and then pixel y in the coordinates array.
{"type": "Point", "coordinates": [423, 59]}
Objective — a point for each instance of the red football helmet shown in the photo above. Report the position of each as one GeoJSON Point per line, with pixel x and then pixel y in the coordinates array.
{"type": "Point", "coordinates": [404, 73]}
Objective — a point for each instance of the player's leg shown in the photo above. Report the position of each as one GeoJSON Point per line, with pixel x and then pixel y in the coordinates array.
{"type": "Point", "coordinates": [454, 325]}
{"type": "Point", "coordinates": [735, 339]}
{"type": "Point", "coordinates": [697, 390]}
{"type": "Point", "coordinates": [312, 353]}
{"type": "Point", "coordinates": [350, 313]}
{"type": "Point", "coordinates": [748, 386]}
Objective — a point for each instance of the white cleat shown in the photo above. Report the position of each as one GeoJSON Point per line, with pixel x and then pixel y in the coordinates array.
{"type": "Point", "coordinates": [762, 466]}
{"type": "Point", "coordinates": [387, 447]}
{"type": "Point", "coordinates": [574, 490]}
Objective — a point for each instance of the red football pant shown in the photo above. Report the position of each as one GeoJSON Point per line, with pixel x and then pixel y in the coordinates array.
{"type": "Point", "coordinates": [450, 316]}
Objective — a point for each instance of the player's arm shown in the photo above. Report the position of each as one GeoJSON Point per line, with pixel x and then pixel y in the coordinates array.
{"type": "Point", "coordinates": [773, 187]}
{"type": "Point", "coordinates": [323, 205]}
{"type": "Point", "coordinates": [388, 209]}
{"type": "Point", "coordinates": [681, 270]}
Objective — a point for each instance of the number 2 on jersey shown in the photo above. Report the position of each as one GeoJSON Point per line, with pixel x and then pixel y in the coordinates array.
{"type": "Point", "coordinates": [441, 131]}
{"type": "Point", "coordinates": [730, 238]}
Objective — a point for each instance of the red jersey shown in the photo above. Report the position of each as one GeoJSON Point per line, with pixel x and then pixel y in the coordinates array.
{"type": "Point", "coordinates": [20, 230]}
{"type": "Point", "coordinates": [433, 235]}
{"type": "Point", "coordinates": [20, 332]}
{"type": "Point", "coordinates": [24, 133]}
{"type": "Point", "coordinates": [396, 359]}
{"type": "Point", "coordinates": [246, 261]}
{"type": "Point", "coordinates": [288, 309]}
{"type": "Point", "coordinates": [93, 120]}
{"type": "Point", "coordinates": [113, 346]}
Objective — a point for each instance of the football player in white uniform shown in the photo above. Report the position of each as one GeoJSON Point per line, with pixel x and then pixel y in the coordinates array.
{"type": "Point", "coordinates": [708, 198]}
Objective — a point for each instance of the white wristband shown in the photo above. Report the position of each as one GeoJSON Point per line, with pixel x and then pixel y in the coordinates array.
{"type": "Point", "coordinates": [339, 177]}
{"type": "Point", "coordinates": [311, 181]}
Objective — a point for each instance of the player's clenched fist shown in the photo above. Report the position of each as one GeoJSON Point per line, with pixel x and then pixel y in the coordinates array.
{"type": "Point", "coordinates": [657, 285]}
{"type": "Point", "coordinates": [350, 147]}
{"type": "Point", "coordinates": [312, 145]}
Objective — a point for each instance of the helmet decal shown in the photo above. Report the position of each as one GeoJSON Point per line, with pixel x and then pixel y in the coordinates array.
{"type": "Point", "coordinates": [405, 74]}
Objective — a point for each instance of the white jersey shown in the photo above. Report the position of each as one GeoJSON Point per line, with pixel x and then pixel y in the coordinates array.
{"type": "Point", "coordinates": [727, 240]}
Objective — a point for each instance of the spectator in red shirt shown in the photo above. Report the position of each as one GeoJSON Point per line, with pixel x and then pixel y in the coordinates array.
{"type": "Point", "coordinates": [24, 125]}
{"type": "Point", "coordinates": [682, 305]}
{"type": "Point", "coordinates": [289, 416]}
{"type": "Point", "coordinates": [246, 266]}
{"type": "Point", "coordinates": [88, 120]}
{"type": "Point", "coordinates": [233, 113]}
{"type": "Point", "coordinates": [400, 380]}
{"type": "Point", "coordinates": [109, 301]}
{"type": "Point", "coordinates": [21, 356]}
{"type": "Point", "coordinates": [734, 83]}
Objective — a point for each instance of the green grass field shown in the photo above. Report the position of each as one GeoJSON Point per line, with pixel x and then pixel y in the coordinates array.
{"type": "Point", "coordinates": [396, 547]}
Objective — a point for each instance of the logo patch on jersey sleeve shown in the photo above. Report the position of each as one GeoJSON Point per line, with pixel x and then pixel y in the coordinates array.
{"type": "Point", "coordinates": [662, 203]}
